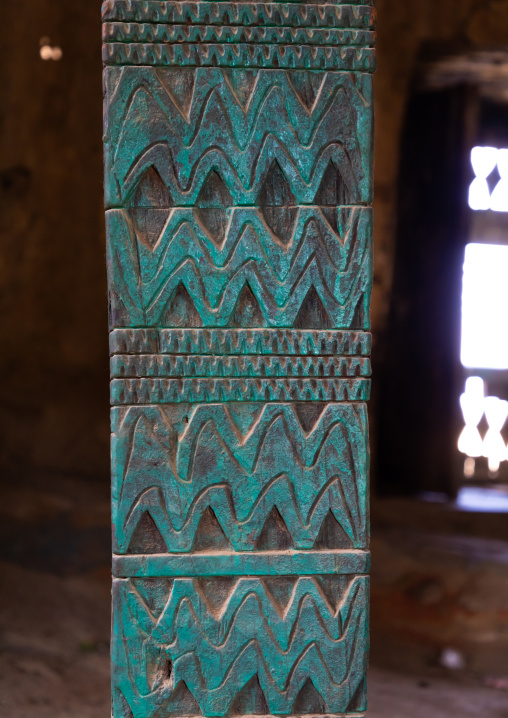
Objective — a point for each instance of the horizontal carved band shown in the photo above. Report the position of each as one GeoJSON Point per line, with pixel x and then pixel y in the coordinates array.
{"type": "Point", "coordinates": [156, 365]}
{"type": "Point", "coordinates": [237, 342]}
{"type": "Point", "coordinates": [163, 391]}
{"type": "Point", "coordinates": [228, 639]}
{"type": "Point", "coordinates": [287, 57]}
{"type": "Point", "coordinates": [266, 117]}
{"type": "Point", "coordinates": [239, 476]}
{"type": "Point", "coordinates": [269, 563]}
{"type": "Point", "coordinates": [150, 33]}
{"type": "Point", "coordinates": [231, 13]}
{"type": "Point", "coordinates": [320, 279]}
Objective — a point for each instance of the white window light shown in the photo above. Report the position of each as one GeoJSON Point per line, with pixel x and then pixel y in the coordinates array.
{"type": "Point", "coordinates": [484, 160]}
{"type": "Point", "coordinates": [474, 405]}
{"type": "Point", "coordinates": [484, 341]}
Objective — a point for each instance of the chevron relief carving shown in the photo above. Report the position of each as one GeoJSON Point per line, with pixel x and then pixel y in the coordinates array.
{"type": "Point", "coordinates": [335, 263]}
{"type": "Point", "coordinates": [238, 184]}
{"type": "Point", "coordinates": [218, 131]}
{"type": "Point", "coordinates": [306, 646]}
{"type": "Point", "coordinates": [241, 461]}
{"type": "Point", "coordinates": [241, 342]}
{"type": "Point", "coordinates": [353, 14]}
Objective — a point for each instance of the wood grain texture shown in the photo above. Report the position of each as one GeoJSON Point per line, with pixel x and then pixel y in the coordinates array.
{"type": "Point", "coordinates": [238, 179]}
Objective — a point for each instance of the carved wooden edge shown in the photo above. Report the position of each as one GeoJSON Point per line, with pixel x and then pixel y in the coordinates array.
{"type": "Point", "coordinates": [238, 342]}
{"type": "Point", "coordinates": [269, 563]}
{"type": "Point", "coordinates": [198, 366]}
{"type": "Point", "coordinates": [287, 57]}
{"type": "Point", "coordinates": [159, 33]}
{"type": "Point", "coordinates": [344, 15]}
{"type": "Point", "coordinates": [164, 391]}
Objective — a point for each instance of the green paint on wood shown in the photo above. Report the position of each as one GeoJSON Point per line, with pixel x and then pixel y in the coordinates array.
{"type": "Point", "coordinates": [238, 178]}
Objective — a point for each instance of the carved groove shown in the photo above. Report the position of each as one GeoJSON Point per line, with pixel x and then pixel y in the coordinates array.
{"type": "Point", "coordinates": [238, 342]}
{"type": "Point", "coordinates": [167, 391]}
{"type": "Point", "coordinates": [322, 649]}
{"type": "Point", "coordinates": [289, 57]}
{"type": "Point", "coordinates": [352, 14]}
{"type": "Point", "coordinates": [241, 463]}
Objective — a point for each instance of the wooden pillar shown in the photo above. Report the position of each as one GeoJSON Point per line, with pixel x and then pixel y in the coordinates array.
{"type": "Point", "coordinates": [238, 155]}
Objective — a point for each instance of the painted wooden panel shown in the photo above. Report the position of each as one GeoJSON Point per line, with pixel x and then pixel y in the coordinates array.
{"type": "Point", "coordinates": [238, 183]}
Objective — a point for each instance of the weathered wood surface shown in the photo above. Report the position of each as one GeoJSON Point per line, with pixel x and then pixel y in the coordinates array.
{"type": "Point", "coordinates": [238, 156]}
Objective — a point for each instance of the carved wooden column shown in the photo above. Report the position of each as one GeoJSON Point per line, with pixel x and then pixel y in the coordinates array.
{"type": "Point", "coordinates": [238, 152]}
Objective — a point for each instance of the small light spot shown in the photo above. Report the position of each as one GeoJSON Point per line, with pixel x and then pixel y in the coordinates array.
{"type": "Point", "coordinates": [452, 659]}
{"type": "Point", "coordinates": [46, 52]}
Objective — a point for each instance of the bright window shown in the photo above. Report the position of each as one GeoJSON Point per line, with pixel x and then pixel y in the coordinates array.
{"type": "Point", "coordinates": [489, 189]}
{"type": "Point", "coordinates": [484, 341]}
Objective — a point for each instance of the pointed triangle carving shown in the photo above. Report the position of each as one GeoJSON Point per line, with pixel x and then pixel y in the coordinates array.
{"type": "Point", "coordinates": [182, 311]}
{"type": "Point", "coordinates": [277, 203]}
{"type": "Point", "coordinates": [332, 535]}
{"type": "Point", "coordinates": [244, 416]}
{"type": "Point", "coordinates": [209, 535]}
{"type": "Point", "coordinates": [312, 314]}
{"type": "Point", "coordinates": [182, 702]}
{"type": "Point", "coordinates": [179, 84]}
{"type": "Point", "coordinates": [242, 84]}
{"type": "Point", "coordinates": [275, 191]}
{"type": "Point", "coordinates": [247, 312]}
{"type": "Point", "coordinates": [148, 224]}
{"type": "Point", "coordinates": [214, 193]}
{"type": "Point", "coordinates": [216, 592]}
{"type": "Point", "coordinates": [149, 207]}
{"type": "Point", "coordinates": [309, 700]}
{"type": "Point", "coordinates": [333, 191]}
{"type": "Point", "coordinates": [333, 587]}
{"type": "Point", "coordinates": [307, 86]}
{"type": "Point", "coordinates": [146, 537]}
{"type": "Point", "coordinates": [280, 590]}
{"type": "Point", "coordinates": [151, 192]}
{"type": "Point", "coordinates": [281, 221]}
{"type": "Point", "coordinates": [211, 207]}
{"type": "Point", "coordinates": [358, 320]}
{"type": "Point", "coordinates": [308, 414]}
{"type": "Point", "coordinates": [154, 593]}
{"type": "Point", "coordinates": [250, 700]}
{"type": "Point", "coordinates": [275, 534]}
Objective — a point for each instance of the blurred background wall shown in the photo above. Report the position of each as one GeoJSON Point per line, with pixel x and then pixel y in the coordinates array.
{"type": "Point", "coordinates": [53, 306]}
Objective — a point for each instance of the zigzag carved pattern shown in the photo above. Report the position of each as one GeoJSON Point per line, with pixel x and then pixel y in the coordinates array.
{"type": "Point", "coordinates": [337, 266]}
{"type": "Point", "coordinates": [241, 55]}
{"type": "Point", "coordinates": [226, 342]}
{"type": "Point", "coordinates": [157, 365]}
{"type": "Point", "coordinates": [214, 389]}
{"type": "Point", "coordinates": [144, 33]}
{"type": "Point", "coordinates": [281, 633]}
{"type": "Point", "coordinates": [212, 119]}
{"type": "Point", "coordinates": [344, 15]}
{"type": "Point", "coordinates": [175, 462]}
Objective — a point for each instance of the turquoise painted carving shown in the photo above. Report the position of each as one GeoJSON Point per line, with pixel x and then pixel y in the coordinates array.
{"type": "Point", "coordinates": [238, 184]}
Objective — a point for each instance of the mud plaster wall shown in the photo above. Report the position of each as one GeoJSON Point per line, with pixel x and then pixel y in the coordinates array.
{"type": "Point", "coordinates": [53, 309]}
